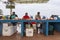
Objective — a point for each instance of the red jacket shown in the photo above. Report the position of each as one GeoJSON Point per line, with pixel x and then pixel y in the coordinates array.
{"type": "Point", "coordinates": [26, 17]}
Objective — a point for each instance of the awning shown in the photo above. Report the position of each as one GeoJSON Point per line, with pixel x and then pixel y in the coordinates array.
{"type": "Point", "coordinates": [30, 1]}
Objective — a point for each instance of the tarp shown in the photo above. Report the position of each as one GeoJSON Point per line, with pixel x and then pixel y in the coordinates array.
{"type": "Point", "coordinates": [30, 1]}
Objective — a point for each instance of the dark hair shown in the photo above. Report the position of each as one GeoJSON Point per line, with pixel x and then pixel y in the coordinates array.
{"type": "Point", "coordinates": [13, 12]}
{"type": "Point", "coordinates": [1, 17]}
{"type": "Point", "coordinates": [26, 13]}
{"type": "Point", "coordinates": [38, 12]}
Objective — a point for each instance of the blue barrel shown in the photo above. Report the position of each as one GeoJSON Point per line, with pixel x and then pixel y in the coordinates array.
{"type": "Point", "coordinates": [1, 26]}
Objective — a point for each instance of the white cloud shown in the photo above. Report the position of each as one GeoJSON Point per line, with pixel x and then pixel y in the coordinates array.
{"type": "Point", "coordinates": [54, 2]}
{"type": "Point", "coordinates": [47, 9]}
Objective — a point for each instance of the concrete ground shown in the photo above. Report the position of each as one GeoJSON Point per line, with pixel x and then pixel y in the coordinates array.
{"type": "Point", "coordinates": [16, 36]}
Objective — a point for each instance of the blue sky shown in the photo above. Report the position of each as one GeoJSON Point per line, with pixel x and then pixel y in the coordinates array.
{"type": "Point", "coordinates": [46, 9]}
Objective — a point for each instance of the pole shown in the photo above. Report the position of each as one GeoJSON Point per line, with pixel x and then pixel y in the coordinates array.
{"type": "Point", "coordinates": [10, 11]}
{"type": "Point", "coordinates": [11, 8]}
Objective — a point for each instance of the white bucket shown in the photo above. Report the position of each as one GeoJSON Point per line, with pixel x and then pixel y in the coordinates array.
{"type": "Point", "coordinates": [29, 32]}
{"type": "Point", "coordinates": [19, 28]}
{"type": "Point", "coordinates": [8, 30]}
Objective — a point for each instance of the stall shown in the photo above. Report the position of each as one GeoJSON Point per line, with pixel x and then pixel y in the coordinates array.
{"type": "Point", "coordinates": [45, 24]}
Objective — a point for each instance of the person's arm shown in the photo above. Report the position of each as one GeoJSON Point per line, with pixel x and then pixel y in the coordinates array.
{"type": "Point", "coordinates": [10, 16]}
{"type": "Point", "coordinates": [16, 15]}
{"type": "Point", "coordinates": [35, 17]}
{"type": "Point", "coordinates": [22, 17]}
{"type": "Point", "coordinates": [40, 18]}
{"type": "Point", "coordinates": [29, 18]}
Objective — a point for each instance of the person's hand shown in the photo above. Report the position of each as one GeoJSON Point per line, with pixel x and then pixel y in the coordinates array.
{"type": "Point", "coordinates": [16, 18]}
{"type": "Point", "coordinates": [28, 19]}
{"type": "Point", "coordinates": [51, 18]}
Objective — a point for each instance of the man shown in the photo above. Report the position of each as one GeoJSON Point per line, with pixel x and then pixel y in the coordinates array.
{"type": "Point", "coordinates": [38, 17]}
{"type": "Point", "coordinates": [26, 17]}
{"type": "Point", "coordinates": [12, 16]}
{"type": "Point", "coordinates": [38, 25]}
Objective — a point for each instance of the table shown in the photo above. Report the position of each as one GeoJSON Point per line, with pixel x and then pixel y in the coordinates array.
{"type": "Point", "coordinates": [56, 23]}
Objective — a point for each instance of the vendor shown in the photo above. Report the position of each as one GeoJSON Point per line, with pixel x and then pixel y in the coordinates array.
{"type": "Point", "coordinates": [38, 17]}
{"type": "Point", "coordinates": [26, 17]}
{"type": "Point", "coordinates": [12, 16]}
{"type": "Point", "coordinates": [38, 25]}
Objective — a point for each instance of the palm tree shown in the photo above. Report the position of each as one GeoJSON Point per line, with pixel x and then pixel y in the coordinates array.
{"type": "Point", "coordinates": [9, 4]}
